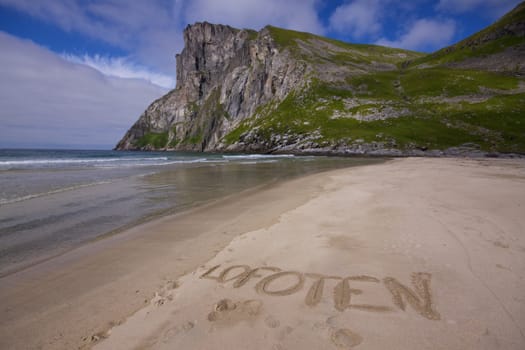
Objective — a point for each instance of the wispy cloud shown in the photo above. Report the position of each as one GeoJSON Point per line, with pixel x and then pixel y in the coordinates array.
{"type": "Point", "coordinates": [492, 8]}
{"type": "Point", "coordinates": [149, 30]}
{"type": "Point", "coordinates": [291, 14]}
{"type": "Point", "coordinates": [358, 18]}
{"type": "Point", "coordinates": [423, 35]}
{"type": "Point", "coordinates": [122, 67]}
{"type": "Point", "coordinates": [47, 100]}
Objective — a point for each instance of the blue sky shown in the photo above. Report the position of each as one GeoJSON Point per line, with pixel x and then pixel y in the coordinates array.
{"type": "Point", "coordinates": [77, 73]}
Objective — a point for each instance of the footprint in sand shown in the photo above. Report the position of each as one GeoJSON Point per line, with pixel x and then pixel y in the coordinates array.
{"type": "Point", "coordinates": [272, 322]}
{"type": "Point", "coordinates": [500, 244]}
{"type": "Point", "coordinates": [171, 332]}
{"type": "Point", "coordinates": [284, 332]}
{"type": "Point", "coordinates": [170, 285]}
{"type": "Point", "coordinates": [228, 311]}
{"type": "Point", "coordinates": [346, 339]}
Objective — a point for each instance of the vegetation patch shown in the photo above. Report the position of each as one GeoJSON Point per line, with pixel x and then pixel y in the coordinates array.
{"type": "Point", "coordinates": [377, 85]}
{"type": "Point", "coordinates": [156, 140]}
{"type": "Point", "coordinates": [252, 34]}
{"type": "Point", "coordinates": [447, 82]}
{"type": "Point", "coordinates": [236, 133]}
{"type": "Point", "coordinates": [173, 143]}
{"type": "Point", "coordinates": [195, 139]}
{"type": "Point", "coordinates": [346, 52]}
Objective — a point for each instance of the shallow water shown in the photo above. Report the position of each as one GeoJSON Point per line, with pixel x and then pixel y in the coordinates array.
{"type": "Point", "coordinates": [53, 201]}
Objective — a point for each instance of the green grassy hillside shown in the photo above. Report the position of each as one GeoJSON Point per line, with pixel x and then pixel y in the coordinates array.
{"type": "Point", "coordinates": [411, 101]}
{"type": "Point", "coordinates": [314, 48]}
{"type": "Point", "coordinates": [413, 109]}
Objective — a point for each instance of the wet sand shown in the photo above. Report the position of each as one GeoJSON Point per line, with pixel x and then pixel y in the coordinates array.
{"type": "Point", "coordinates": [409, 254]}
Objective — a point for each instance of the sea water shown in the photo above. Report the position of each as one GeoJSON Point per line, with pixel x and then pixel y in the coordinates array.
{"type": "Point", "coordinates": [52, 201]}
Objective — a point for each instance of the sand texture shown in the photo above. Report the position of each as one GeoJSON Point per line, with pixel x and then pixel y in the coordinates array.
{"type": "Point", "coordinates": [70, 302]}
{"type": "Point", "coordinates": [410, 254]}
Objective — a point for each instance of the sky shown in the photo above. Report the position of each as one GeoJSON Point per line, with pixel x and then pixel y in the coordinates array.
{"type": "Point", "coordinates": [78, 73]}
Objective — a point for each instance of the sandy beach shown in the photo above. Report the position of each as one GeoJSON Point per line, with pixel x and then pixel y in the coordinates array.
{"type": "Point", "coordinates": [413, 253]}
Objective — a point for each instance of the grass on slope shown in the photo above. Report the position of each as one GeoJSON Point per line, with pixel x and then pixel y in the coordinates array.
{"type": "Point", "coordinates": [416, 83]}
{"type": "Point", "coordinates": [157, 140]}
{"type": "Point", "coordinates": [305, 115]}
{"type": "Point", "coordinates": [343, 52]}
{"type": "Point", "coordinates": [322, 112]}
{"type": "Point", "coordinates": [446, 82]}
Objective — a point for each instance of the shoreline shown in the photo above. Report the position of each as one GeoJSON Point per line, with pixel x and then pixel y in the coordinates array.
{"type": "Point", "coordinates": [449, 226]}
{"type": "Point", "coordinates": [170, 212]}
{"type": "Point", "coordinates": [459, 152]}
{"type": "Point", "coordinates": [87, 261]}
{"type": "Point", "coordinates": [110, 200]}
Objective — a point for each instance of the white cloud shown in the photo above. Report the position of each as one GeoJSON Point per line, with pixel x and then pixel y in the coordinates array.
{"type": "Point", "coordinates": [424, 35]}
{"type": "Point", "coordinates": [292, 14]}
{"type": "Point", "coordinates": [47, 100]}
{"type": "Point", "coordinates": [150, 30]}
{"type": "Point", "coordinates": [493, 8]}
{"type": "Point", "coordinates": [122, 67]}
{"type": "Point", "coordinates": [357, 18]}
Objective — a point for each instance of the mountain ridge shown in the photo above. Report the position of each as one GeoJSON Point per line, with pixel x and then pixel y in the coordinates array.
{"type": "Point", "coordinates": [279, 90]}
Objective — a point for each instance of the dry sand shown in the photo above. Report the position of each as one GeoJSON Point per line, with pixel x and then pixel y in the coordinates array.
{"type": "Point", "coordinates": [410, 254]}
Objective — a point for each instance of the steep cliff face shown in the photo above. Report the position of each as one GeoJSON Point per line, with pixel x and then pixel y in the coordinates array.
{"type": "Point", "coordinates": [223, 75]}
{"type": "Point", "coordinates": [279, 90]}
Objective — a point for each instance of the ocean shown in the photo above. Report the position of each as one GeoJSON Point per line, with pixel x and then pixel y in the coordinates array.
{"type": "Point", "coordinates": [52, 201]}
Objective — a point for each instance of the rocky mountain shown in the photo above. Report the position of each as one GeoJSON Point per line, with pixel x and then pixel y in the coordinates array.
{"type": "Point", "coordinates": [279, 90]}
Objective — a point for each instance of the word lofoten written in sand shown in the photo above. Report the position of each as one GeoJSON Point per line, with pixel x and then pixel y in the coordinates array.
{"type": "Point", "coordinates": [419, 297]}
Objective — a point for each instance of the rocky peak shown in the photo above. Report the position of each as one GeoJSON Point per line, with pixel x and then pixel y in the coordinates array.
{"type": "Point", "coordinates": [223, 75]}
{"type": "Point", "coordinates": [209, 50]}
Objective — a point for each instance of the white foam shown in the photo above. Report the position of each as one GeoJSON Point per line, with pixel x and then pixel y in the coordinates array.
{"type": "Point", "coordinates": [4, 201]}
{"type": "Point", "coordinates": [75, 161]}
{"type": "Point", "coordinates": [188, 161]}
{"type": "Point", "coordinates": [258, 156]}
